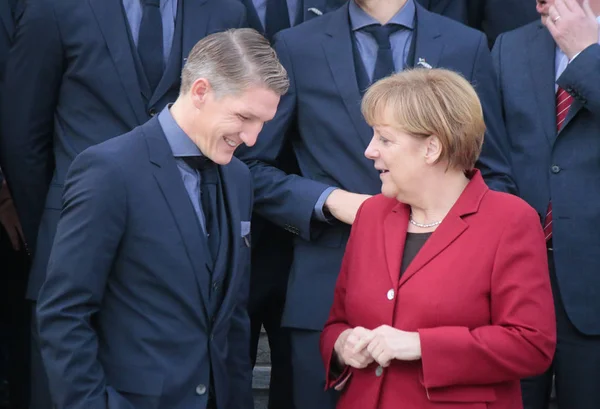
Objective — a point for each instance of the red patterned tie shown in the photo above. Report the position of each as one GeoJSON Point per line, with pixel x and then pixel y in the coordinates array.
{"type": "Point", "coordinates": [563, 103]}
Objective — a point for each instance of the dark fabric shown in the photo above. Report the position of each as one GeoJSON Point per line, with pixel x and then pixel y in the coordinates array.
{"type": "Point", "coordinates": [414, 242]}
{"type": "Point", "coordinates": [576, 365]}
{"type": "Point", "coordinates": [362, 78]}
{"type": "Point", "coordinates": [277, 17]}
{"type": "Point", "coordinates": [150, 42]}
{"type": "Point", "coordinates": [384, 66]}
{"type": "Point", "coordinates": [209, 177]}
{"type": "Point", "coordinates": [309, 373]}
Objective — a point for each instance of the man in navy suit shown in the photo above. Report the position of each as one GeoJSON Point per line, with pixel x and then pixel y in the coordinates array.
{"type": "Point", "coordinates": [144, 304]}
{"type": "Point", "coordinates": [549, 73]}
{"type": "Point", "coordinates": [331, 60]}
{"type": "Point", "coordinates": [84, 72]}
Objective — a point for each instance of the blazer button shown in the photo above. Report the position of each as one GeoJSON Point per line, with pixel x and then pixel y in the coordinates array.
{"type": "Point", "coordinates": [555, 169]}
{"type": "Point", "coordinates": [152, 111]}
{"type": "Point", "coordinates": [200, 389]}
{"type": "Point", "coordinates": [379, 371]}
{"type": "Point", "coordinates": [390, 294]}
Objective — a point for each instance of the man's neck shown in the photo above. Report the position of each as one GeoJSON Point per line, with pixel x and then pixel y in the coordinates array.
{"type": "Point", "coordinates": [381, 10]}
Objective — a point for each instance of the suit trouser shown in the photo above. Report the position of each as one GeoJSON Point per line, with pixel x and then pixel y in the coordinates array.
{"type": "Point", "coordinates": [271, 261]}
{"type": "Point", "coordinates": [576, 364]}
{"type": "Point", "coordinates": [40, 390]}
{"type": "Point", "coordinates": [309, 372]}
{"type": "Point", "coordinates": [14, 321]}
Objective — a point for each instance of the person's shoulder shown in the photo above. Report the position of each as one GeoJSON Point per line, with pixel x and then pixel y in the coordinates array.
{"type": "Point", "coordinates": [506, 207]}
{"type": "Point", "coordinates": [518, 36]}
{"type": "Point", "coordinates": [378, 206]}
{"type": "Point", "coordinates": [448, 26]}
{"type": "Point", "coordinates": [120, 151]}
{"type": "Point", "coordinates": [307, 31]}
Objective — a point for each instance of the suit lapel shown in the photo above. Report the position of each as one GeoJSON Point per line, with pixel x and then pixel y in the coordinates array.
{"type": "Point", "coordinates": [230, 237]}
{"type": "Point", "coordinates": [169, 180]}
{"type": "Point", "coordinates": [252, 15]}
{"type": "Point", "coordinates": [6, 16]}
{"type": "Point", "coordinates": [337, 47]}
{"type": "Point", "coordinates": [111, 19]}
{"type": "Point", "coordinates": [428, 40]}
{"type": "Point", "coordinates": [451, 228]}
{"type": "Point", "coordinates": [541, 52]}
{"type": "Point", "coordinates": [195, 25]}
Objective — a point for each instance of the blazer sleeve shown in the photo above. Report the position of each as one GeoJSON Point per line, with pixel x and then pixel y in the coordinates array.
{"type": "Point", "coordinates": [582, 77]}
{"type": "Point", "coordinates": [238, 361]}
{"type": "Point", "coordinates": [286, 200]}
{"type": "Point", "coordinates": [520, 340]}
{"type": "Point", "coordinates": [494, 161]}
{"type": "Point", "coordinates": [88, 235]}
{"type": "Point", "coordinates": [30, 93]}
{"type": "Point", "coordinates": [337, 321]}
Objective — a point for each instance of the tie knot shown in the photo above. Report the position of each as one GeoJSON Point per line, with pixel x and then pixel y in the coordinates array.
{"type": "Point", "coordinates": [155, 3]}
{"type": "Point", "coordinates": [199, 163]}
{"type": "Point", "coordinates": [381, 34]}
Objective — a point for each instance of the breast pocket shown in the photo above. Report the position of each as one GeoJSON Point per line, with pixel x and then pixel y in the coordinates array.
{"type": "Point", "coordinates": [140, 387]}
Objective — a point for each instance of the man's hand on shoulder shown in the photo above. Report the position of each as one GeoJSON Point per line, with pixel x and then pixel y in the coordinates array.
{"type": "Point", "coordinates": [344, 205]}
{"type": "Point", "coordinates": [573, 26]}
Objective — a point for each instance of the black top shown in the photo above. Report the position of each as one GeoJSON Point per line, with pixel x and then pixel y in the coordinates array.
{"type": "Point", "coordinates": [414, 242]}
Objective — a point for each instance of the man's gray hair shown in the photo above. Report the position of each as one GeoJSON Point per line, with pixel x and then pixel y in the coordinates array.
{"type": "Point", "coordinates": [232, 61]}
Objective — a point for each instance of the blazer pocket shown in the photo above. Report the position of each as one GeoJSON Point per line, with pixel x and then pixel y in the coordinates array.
{"type": "Point", "coordinates": [463, 394]}
{"type": "Point", "coordinates": [141, 387]}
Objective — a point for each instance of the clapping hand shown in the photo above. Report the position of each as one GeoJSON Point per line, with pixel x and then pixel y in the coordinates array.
{"type": "Point", "coordinates": [385, 344]}
{"type": "Point", "coordinates": [573, 26]}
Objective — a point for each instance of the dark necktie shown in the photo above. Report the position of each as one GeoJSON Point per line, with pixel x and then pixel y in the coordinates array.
{"type": "Point", "coordinates": [150, 42]}
{"type": "Point", "coordinates": [384, 65]}
{"type": "Point", "coordinates": [208, 196]}
{"type": "Point", "coordinates": [564, 100]}
{"type": "Point", "coordinates": [277, 17]}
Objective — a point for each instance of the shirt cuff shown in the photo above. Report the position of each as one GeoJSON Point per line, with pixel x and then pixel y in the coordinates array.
{"type": "Point", "coordinates": [319, 212]}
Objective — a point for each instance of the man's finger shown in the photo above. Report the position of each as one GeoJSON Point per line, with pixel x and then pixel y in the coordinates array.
{"type": "Point", "coordinates": [587, 9]}
{"type": "Point", "coordinates": [564, 6]}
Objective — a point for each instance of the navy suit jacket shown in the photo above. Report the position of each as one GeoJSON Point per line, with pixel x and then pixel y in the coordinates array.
{"type": "Point", "coordinates": [457, 10]}
{"type": "Point", "coordinates": [331, 136]}
{"type": "Point", "coordinates": [123, 315]}
{"type": "Point", "coordinates": [563, 166]}
{"type": "Point", "coordinates": [6, 33]}
{"type": "Point", "coordinates": [495, 17]}
{"type": "Point", "coordinates": [74, 71]}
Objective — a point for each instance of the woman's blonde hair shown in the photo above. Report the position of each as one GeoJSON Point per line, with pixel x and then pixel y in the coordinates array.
{"type": "Point", "coordinates": [424, 102]}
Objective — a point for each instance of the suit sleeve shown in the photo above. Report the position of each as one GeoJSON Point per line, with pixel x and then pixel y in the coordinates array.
{"type": "Point", "coordinates": [494, 161]}
{"type": "Point", "coordinates": [286, 200]}
{"type": "Point", "coordinates": [31, 85]}
{"type": "Point", "coordinates": [239, 361]}
{"type": "Point", "coordinates": [87, 238]}
{"type": "Point", "coordinates": [337, 321]}
{"type": "Point", "coordinates": [582, 78]}
{"type": "Point", "coordinates": [520, 340]}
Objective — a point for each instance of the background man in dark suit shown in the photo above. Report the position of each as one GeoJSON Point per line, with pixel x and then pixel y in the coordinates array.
{"type": "Point", "coordinates": [144, 305]}
{"type": "Point", "coordinates": [272, 245]}
{"type": "Point", "coordinates": [86, 71]}
{"type": "Point", "coordinates": [331, 60]}
{"type": "Point", "coordinates": [14, 310]}
{"type": "Point", "coordinates": [549, 74]}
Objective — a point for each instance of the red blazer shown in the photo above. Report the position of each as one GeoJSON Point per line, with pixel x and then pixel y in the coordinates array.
{"type": "Point", "coordinates": [478, 293]}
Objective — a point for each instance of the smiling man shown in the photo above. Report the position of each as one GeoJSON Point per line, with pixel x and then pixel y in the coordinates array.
{"type": "Point", "coordinates": [144, 305]}
{"type": "Point", "coordinates": [549, 72]}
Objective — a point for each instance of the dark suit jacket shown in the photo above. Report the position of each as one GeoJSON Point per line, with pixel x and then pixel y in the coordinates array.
{"type": "Point", "coordinates": [561, 166]}
{"type": "Point", "coordinates": [123, 315]}
{"type": "Point", "coordinates": [74, 71]}
{"type": "Point", "coordinates": [6, 35]}
{"type": "Point", "coordinates": [478, 294]}
{"type": "Point", "coordinates": [457, 10]}
{"type": "Point", "coordinates": [495, 17]}
{"type": "Point", "coordinates": [324, 100]}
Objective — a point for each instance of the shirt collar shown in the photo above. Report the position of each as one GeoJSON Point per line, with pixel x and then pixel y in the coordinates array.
{"type": "Point", "coordinates": [181, 144]}
{"type": "Point", "coordinates": [360, 19]}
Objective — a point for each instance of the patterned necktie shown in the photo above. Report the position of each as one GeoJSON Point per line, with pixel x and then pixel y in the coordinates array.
{"type": "Point", "coordinates": [563, 104]}
{"type": "Point", "coordinates": [150, 42]}
{"type": "Point", "coordinates": [384, 65]}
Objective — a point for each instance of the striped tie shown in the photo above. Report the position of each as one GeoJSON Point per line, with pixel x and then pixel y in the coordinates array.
{"type": "Point", "coordinates": [563, 103]}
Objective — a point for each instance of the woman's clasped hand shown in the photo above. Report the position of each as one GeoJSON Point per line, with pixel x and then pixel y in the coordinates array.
{"type": "Point", "coordinates": [358, 347]}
